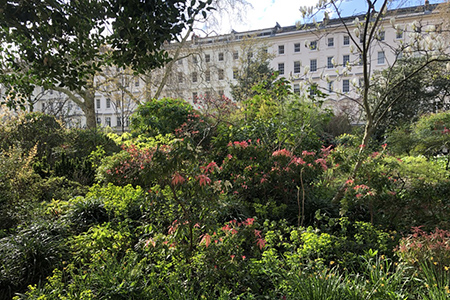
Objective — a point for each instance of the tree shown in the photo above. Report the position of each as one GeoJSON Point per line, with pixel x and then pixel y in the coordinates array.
{"type": "Point", "coordinates": [425, 92]}
{"type": "Point", "coordinates": [366, 35]}
{"type": "Point", "coordinates": [60, 44]}
{"type": "Point", "coordinates": [172, 79]}
{"type": "Point", "coordinates": [254, 69]}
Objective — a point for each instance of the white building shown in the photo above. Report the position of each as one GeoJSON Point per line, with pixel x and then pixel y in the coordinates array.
{"type": "Point", "coordinates": [324, 54]}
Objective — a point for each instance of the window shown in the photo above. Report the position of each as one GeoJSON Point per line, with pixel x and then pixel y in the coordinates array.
{"type": "Point", "coordinates": [330, 42]}
{"type": "Point", "coordinates": [194, 59]}
{"type": "Point", "coordinates": [207, 58]}
{"type": "Point", "coordinates": [208, 95]}
{"type": "Point", "coordinates": [136, 82]}
{"type": "Point", "coordinates": [313, 65]}
{"type": "Point", "coordinates": [330, 86]}
{"type": "Point", "coordinates": [380, 57]}
{"type": "Point", "coordinates": [235, 73]}
{"type": "Point", "coordinates": [208, 76]}
{"type": "Point", "coordinates": [108, 103]}
{"type": "Point", "coordinates": [360, 59]}
{"type": "Point", "coordinates": [345, 60]}
{"type": "Point", "coordinates": [108, 121]}
{"type": "Point", "coordinates": [221, 74]}
{"type": "Point", "coordinates": [296, 89]}
{"type": "Point", "coordinates": [249, 55]}
{"type": "Point", "coordinates": [330, 64]}
{"type": "Point", "coordinates": [194, 77]}
{"type": "Point", "coordinates": [97, 103]}
{"type": "Point", "coordinates": [281, 68]}
{"type": "Point", "coordinates": [312, 90]}
{"type": "Point", "coordinates": [235, 55]}
{"type": "Point", "coordinates": [399, 34]}
{"type": "Point", "coordinates": [180, 62]}
{"type": "Point", "coordinates": [221, 56]}
{"type": "Point", "coordinates": [99, 120]}
{"type": "Point", "coordinates": [313, 45]}
{"type": "Point", "coordinates": [280, 49]}
{"type": "Point", "coordinates": [345, 85]}
{"type": "Point", "coordinates": [382, 35]}
{"type": "Point", "coordinates": [194, 96]}
{"type": "Point", "coordinates": [119, 121]}
{"type": "Point", "coordinates": [297, 47]}
{"type": "Point", "coordinates": [180, 77]}
{"type": "Point", "coordinates": [296, 67]}
{"type": "Point", "coordinates": [346, 40]}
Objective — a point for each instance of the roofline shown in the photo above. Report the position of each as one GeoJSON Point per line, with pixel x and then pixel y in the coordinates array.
{"type": "Point", "coordinates": [277, 29]}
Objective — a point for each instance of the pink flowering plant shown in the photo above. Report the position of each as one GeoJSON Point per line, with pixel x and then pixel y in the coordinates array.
{"type": "Point", "coordinates": [273, 182]}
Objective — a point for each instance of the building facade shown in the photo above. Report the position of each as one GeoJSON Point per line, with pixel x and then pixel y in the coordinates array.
{"type": "Point", "coordinates": [323, 54]}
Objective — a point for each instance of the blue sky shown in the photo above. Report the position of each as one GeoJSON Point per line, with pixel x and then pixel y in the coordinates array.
{"type": "Point", "coordinates": [266, 13]}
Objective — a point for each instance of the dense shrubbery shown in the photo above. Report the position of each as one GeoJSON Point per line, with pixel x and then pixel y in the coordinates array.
{"type": "Point", "coordinates": [217, 207]}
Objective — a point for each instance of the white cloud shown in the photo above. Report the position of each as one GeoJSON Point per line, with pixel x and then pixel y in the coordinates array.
{"type": "Point", "coordinates": [266, 13]}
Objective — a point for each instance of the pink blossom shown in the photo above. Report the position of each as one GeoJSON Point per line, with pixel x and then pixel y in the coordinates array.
{"type": "Point", "coordinates": [322, 162]}
{"type": "Point", "coordinates": [261, 243]}
{"type": "Point", "coordinates": [206, 239]}
{"type": "Point", "coordinates": [282, 152]}
{"type": "Point", "coordinates": [177, 179]}
{"type": "Point", "coordinates": [298, 161]}
{"type": "Point", "coordinates": [306, 153]}
{"type": "Point", "coordinates": [249, 222]}
{"type": "Point", "coordinates": [203, 179]}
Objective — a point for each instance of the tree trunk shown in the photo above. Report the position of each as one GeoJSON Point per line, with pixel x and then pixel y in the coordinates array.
{"type": "Point", "coordinates": [89, 109]}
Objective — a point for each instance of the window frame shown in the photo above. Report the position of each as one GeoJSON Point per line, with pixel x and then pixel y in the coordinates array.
{"type": "Point", "coordinates": [346, 40]}
{"type": "Point", "coordinates": [332, 42]}
{"type": "Point", "coordinates": [313, 65]}
{"type": "Point", "coordinates": [297, 67]}
{"type": "Point", "coordinates": [346, 85]}
{"type": "Point", "coordinates": [221, 74]}
{"type": "Point", "coordinates": [330, 64]}
{"type": "Point", "coordinates": [281, 70]}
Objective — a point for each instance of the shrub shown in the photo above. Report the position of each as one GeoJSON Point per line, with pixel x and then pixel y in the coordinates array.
{"type": "Point", "coordinates": [422, 247]}
{"type": "Point", "coordinates": [30, 255]}
{"type": "Point", "coordinates": [17, 182]}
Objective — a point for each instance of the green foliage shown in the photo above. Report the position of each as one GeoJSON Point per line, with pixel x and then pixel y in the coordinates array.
{"type": "Point", "coordinates": [17, 180]}
{"type": "Point", "coordinates": [33, 129]}
{"type": "Point", "coordinates": [422, 93]}
{"type": "Point", "coordinates": [30, 255]}
{"type": "Point", "coordinates": [247, 215]}
{"type": "Point", "coordinates": [254, 73]}
{"type": "Point", "coordinates": [431, 133]}
{"type": "Point", "coordinates": [421, 248]}
{"type": "Point", "coordinates": [160, 116]}
{"type": "Point", "coordinates": [66, 44]}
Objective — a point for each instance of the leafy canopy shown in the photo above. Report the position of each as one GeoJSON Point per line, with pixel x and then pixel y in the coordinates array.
{"type": "Point", "coordinates": [56, 42]}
